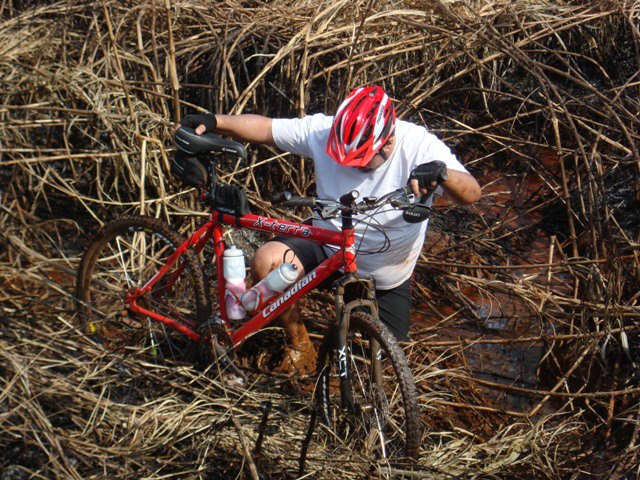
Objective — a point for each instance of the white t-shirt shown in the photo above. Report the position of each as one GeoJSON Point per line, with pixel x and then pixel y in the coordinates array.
{"type": "Point", "coordinates": [414, 145]}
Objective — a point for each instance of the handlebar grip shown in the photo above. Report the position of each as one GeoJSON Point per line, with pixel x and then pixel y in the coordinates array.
{"type": "Point", "coordinates": [281, 197]}
{"type": "Point", "coordinates": [286, 199]}
{"type": "Point", "coordinates": [424, 198]}
{"type": "Point", "coordinates": [300, 202]}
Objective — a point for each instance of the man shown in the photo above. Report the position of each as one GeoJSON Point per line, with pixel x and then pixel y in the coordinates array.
{"type": "Point", "coordinates": [364, 148]}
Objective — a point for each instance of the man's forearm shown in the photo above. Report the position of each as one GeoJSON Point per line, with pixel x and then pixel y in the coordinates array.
{"type": "Point", "coordinates": [248, 128]}
{"type": "Point", "coordinates": [461, 187]}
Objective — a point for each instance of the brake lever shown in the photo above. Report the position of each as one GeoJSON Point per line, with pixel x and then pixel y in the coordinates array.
{"type": "Point", "coordinates": [326, 208]}
{"type": "Point", "coordinates": [328, 211]}
{"type": "Point", "coordinates": [401, 202]}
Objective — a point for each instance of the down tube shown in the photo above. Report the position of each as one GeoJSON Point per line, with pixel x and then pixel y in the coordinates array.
{"type": "Point", "coordinates": [271, 311]}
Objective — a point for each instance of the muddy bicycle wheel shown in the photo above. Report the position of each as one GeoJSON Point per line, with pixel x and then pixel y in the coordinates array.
{"type": "Point", "coordinates": [375, 410]}
{"type": "Point", "coordinates": [124, 256]}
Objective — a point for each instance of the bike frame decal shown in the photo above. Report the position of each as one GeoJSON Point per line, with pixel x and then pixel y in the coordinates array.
{"type": "Point", "coordinates": [283, 227]}
{"type": "Point", "coordinates": [342, 361]}
{"type": "Point", "coordinates": [269, 309]}
{"type": "Point", "coordinates": [280, 304]}
{"type": "Point", "coordinates": [278, 226]}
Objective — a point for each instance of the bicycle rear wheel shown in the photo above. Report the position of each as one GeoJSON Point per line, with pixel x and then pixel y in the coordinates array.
{"type": "Point", "coordinates": [124, 256]}
{"type": "Point", "coordinates": [375, 411]}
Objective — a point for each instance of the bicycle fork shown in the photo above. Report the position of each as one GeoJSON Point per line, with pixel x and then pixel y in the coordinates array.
{"type": "Point", "coordinates": [337, 337]}
{"type": "Point", "coordinates": [341, 330]}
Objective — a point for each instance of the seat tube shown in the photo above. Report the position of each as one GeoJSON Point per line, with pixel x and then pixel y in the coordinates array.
{"type": "Point", "coordinates": [219, 251]}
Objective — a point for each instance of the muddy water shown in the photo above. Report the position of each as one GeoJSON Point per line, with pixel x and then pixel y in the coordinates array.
{"type": "Point", "coordinates": [497, 315]}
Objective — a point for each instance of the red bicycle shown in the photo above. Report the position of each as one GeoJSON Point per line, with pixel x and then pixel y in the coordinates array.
{"type": "Point", "coordinates": [142, 288]}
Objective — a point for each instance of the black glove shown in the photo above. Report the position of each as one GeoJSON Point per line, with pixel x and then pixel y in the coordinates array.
{"type": "Point", "coordinates": [197, 119]}
{"type": "Point", "coordinates": [430, 175]}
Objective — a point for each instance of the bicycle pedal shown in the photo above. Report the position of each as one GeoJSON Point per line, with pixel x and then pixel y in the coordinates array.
{"type": "Point", "coordinates": [217, 330]}
{"type": "Point", "coordinates": [228, 367]}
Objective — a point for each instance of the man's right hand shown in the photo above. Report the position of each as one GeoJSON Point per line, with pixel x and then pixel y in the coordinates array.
{"type": "Point", "coordinates": [200, 122]}
{"type": "Point", "coordinates": [428, 176]}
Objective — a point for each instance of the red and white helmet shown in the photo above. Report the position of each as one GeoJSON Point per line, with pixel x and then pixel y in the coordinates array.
{"type": "Point", "coordinates": [362, 125]}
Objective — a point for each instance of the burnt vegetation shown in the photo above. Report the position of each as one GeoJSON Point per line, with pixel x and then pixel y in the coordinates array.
{"type": "Point", "coordinates": [525, 346]}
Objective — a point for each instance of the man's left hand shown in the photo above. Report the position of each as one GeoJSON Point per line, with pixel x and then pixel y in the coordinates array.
{"type": "Point", "coordinates": [200, 122]}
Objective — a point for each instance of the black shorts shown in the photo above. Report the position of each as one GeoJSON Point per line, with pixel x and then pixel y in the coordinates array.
{"type": "Point", "coordinates": [394, 305]}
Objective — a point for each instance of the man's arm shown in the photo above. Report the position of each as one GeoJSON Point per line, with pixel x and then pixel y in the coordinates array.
{"type": "Point", "coordinates": [461, 187]}
{"type": "Point", "coordinates": [247, 128]}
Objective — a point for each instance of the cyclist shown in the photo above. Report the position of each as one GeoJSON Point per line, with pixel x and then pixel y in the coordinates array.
{"type": "Point", "coordinates": [364, 148]}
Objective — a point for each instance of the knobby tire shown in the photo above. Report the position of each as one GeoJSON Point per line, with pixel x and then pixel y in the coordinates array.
{"type": "Point", "coordinates": [385, 422]}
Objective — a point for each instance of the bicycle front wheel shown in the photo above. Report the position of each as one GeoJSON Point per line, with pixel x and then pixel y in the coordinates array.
{"type": "Point", "coordinates": [366, 394]}
{"type": "Point", "coordinates": [124, 256]}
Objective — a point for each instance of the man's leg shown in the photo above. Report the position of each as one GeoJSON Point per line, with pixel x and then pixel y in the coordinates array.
{"type": "Point", "coordinates": [394, 309]}
{"type": "Point", "coordinates": [306, 256]}
{"type": "Point", "coordinates": [268, 257]}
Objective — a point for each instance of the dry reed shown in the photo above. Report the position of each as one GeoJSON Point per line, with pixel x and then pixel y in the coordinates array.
{"type": "Point", "coordinates": [540, 101]}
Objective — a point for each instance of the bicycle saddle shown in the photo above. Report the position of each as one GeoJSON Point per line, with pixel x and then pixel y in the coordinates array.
{"type": "Point", "coordinates": [192, 144]}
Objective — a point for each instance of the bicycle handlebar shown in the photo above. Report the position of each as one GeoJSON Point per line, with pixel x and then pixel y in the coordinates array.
{"type": "Point", "coordinates": [288, 200]}
{"type": "Point", "coordinates": [399, 199]}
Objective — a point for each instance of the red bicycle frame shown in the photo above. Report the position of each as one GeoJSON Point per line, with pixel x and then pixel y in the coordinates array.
{"type": "Point", "coordinates": [344, 258]}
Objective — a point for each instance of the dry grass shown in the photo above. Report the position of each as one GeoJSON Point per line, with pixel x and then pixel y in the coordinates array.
{"type": "Point", "coordinates": [539, 99]}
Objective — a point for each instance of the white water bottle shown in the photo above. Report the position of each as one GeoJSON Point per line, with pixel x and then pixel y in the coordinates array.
{"type": "Point", "coordinates": [277, 281]}
{"type": "Point", "coordinates": [234, 275]}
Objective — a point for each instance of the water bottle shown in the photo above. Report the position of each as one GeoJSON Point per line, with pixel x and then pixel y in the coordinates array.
{"type": "Point", "coordinates": [276, 282]}
{"type": "Point", "coordinates": [234, 274]}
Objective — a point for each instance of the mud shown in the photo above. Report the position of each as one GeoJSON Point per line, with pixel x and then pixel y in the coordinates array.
{"type": "Point", "coordinates": [506, 206]}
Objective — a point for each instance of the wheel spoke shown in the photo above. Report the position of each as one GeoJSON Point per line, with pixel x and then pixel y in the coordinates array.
{"type": "Point", "coordinates": [126, 256]}
{"type": "Point", "coordinates": [123, 263]}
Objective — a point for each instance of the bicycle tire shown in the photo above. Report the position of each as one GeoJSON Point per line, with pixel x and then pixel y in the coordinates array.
{"type": "Point", "coordinates": [385, 422]}
{"type": "Point", "coordinates": [124, 255]}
